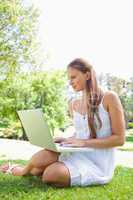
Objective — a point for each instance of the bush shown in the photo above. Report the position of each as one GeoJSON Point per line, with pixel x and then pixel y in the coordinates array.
{"type": "Point", "coordinates": [44, 90]}
{"type": "Point", "coordinates": [13, 131]}
{"type": "Point", "coordinates": [130, 125]}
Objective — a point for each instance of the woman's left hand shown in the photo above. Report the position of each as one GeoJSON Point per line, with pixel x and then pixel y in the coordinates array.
{"type": "Point", "coordinates": [73, 142]}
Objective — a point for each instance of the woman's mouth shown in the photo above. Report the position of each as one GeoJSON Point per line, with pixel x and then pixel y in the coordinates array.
{"type": "Point", "coordinates": [74, 86]}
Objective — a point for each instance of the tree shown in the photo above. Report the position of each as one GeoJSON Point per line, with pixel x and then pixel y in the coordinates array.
{"type": "Point", "coordinates": [46, 90]}
{"type": "Point", "coordinates": [123, 88]}
{"type": "Point", "coordinates": [18, 45]}
{"type": "Point", "coordinates": [19, 49]}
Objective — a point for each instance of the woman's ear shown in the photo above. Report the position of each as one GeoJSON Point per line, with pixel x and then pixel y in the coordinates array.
{"type": "Point", "coordinates": [88, 75]}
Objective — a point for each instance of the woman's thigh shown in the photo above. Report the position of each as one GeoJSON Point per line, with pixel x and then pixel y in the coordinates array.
{"type": "Point", "coordinates": [44, 158]}
{"type": "Point", "coordinates": [57, 174]}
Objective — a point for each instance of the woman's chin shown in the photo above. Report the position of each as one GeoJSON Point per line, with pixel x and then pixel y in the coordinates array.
{"type": "Point", "coordinates": [77, 89]}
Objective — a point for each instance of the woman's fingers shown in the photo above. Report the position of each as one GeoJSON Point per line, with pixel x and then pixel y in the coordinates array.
{"type": "Point", "coordinates": [68, 141]}
{"type": "Point", "coordinates": [59, 139]}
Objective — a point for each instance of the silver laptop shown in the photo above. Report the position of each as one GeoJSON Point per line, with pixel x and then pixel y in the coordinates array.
{"type": "Point", "coordinates": [39, 134]}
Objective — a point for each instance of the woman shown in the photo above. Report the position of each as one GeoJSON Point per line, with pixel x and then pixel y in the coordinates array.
{"type": "Point", "coordinates": [99, 122]}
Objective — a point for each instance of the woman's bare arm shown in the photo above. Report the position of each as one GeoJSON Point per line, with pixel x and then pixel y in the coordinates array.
{"type": "Point", "coordinates": [117, 124]}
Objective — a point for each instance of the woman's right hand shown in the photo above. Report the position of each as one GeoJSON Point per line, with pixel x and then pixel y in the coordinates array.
{"type": "Point", "coordinates": [59, 139]}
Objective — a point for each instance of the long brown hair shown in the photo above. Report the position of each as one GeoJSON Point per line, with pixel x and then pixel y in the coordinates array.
{"type": "Point", "coordinates": [93, 94]}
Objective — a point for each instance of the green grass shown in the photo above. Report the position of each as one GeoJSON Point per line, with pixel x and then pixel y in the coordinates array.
{"type": "Point", "coordinates": [126, 149]}
{"type": "Point", "coordinates": [31, 188]}
{"type": "Point", "coordinates": [128, 146]}
{"type": "Point", "coordinates": [129, 138]}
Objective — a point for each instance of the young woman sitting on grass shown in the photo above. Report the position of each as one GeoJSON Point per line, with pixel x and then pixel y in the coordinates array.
{"type": "Point", "coordinates": [99, 123]}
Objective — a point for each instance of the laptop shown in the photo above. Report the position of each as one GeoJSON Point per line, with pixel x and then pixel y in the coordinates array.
{"type": "Point", "coordinates": [39, 133]}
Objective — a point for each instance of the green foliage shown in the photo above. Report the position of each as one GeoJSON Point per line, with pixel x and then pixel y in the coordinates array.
{"type": "Point", "coordinates": [123, 88]}
{"type": "Point", "coordinates": [18, 42]}
{"type": "Point", "coordinates": [44, 90]}
{"type": "Point", "coordinates": [130, 124]}
{"type": "Point", "coordinates": [19, 51]}
{"type": "Point", "coordinates": [13, 131]}
{"type": "Point", "coordinates": [49, 89]}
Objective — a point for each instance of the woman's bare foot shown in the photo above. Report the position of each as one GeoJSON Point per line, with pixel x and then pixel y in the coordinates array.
{"type": "Point", "coordinates": [4, 167]}
{"type": "Point", "coordinates": [15, 169]}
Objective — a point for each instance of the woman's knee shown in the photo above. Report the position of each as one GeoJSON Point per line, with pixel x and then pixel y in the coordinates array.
{"type": "Point", "coordinates": [43, 158]}
{"type": "Point", "coordinates": [37, 171]}
{"type": "Point", "coordinates": [56, 174]}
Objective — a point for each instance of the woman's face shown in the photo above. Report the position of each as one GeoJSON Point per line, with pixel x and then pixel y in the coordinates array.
{"type": "Point", "coordinates": [78, 79]}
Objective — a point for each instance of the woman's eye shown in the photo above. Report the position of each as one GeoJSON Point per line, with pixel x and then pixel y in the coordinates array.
{"type": "Point", "coordinates": [73, 77]}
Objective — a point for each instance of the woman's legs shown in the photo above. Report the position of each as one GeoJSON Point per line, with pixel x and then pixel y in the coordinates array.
{"type": "Point", "coordinates": [37, 164]}
{"type": "Point", "coordinates": [57, 174]}
{"type": "Point", "coordinates": [45, 163]}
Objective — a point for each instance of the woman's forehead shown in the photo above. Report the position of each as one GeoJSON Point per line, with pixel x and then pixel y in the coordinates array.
{"type": "Point", "coordinates": [73, 71]}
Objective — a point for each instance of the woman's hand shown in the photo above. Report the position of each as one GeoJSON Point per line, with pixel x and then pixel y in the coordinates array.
{"type": "Point", "coordinates": [59, 139]}
{"type": "Point", "coordinates": [62, 139]}
{"type": "Point", "coordinates": [73, 142]}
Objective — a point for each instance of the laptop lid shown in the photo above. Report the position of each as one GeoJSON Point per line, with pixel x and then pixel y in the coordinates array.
{"type": "Point", "coordinates": [36, 128]}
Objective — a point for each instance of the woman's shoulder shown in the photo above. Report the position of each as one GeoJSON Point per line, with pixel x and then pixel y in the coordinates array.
{"type": "Point", "coordinates": [74, 104]}
{"type": "Point", "coordinates": [110, 98]}
{"type": "Point", "coordinates": [110, 95]}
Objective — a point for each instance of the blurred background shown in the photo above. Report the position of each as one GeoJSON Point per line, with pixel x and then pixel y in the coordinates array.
{"type": "Point", "coordinates": [39, 38]}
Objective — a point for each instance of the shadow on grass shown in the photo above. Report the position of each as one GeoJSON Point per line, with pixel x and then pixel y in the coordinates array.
{"type": "Point", "coordinates": [9, 183]}
{"type": "Point", "coordinates": [15, 185]}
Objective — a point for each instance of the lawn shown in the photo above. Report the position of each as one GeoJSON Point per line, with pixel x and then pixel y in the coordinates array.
{"type": "Point", "coordinates": [128, 146]}
{"type": "Point", "coordinates": [31, 188]}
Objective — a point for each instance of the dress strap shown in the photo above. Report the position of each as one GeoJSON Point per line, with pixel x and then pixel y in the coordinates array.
{"type": "Point", "coordinates": [102, 99]}
{"type": "Point", "coordinates": [71, 107]}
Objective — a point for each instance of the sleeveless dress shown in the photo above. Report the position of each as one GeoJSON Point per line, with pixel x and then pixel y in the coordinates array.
{"type": "Point", "coordinates": [94, 167]}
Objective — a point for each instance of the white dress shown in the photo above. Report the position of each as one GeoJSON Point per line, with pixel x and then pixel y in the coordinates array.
{"type": "Point", "coordinates": [95, 167]}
